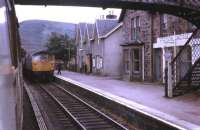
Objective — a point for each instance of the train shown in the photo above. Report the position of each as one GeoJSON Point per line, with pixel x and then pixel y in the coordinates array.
{"type": "Point", "coordinates": [39, 65]}
{"type": "Point", "coordinates": [11, 79]}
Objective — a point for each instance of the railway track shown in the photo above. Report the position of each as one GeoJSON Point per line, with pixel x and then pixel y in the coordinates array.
{"type": "Point", "coordinates": [55, 118]}
{"type": "Point", "coordinates": [74, 113]}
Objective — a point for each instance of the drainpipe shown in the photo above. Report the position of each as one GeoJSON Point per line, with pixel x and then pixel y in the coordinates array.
{"type": "Point", "coordinates": [169, 83]}
{"type": "Point", "coordinates": [164, 65]}
{"type": "Point", "coordinates": [143, 63]}
{"type": "Point", "coordinates": [152, 51]}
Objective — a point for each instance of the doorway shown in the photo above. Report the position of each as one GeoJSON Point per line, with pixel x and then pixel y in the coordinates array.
{"type": "Point", "coordinates": [158, 65]}
{"type": "Point", "coordinates": [136, 64]}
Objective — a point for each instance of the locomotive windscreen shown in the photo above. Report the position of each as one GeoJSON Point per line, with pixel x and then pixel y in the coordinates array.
{"type": "Point", "coordinates": [41, 57]}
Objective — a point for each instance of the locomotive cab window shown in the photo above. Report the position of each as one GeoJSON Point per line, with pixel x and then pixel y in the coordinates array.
{"type": "Point", "coordinates": [44, 57]}
{"type": "Point", "coordinates": [36, 58]}
{"type": "Point", "coordinates": [40, 57]}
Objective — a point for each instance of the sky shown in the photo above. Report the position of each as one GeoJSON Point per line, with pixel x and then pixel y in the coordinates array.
{"type": "Point", "coordinates": [62, 13]}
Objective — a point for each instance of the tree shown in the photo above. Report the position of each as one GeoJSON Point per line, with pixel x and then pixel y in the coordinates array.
{"type": "Point", "coordinates": [61, 46]}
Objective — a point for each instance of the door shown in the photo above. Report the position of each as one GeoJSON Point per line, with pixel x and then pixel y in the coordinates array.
{"type": "Point", "coordinates": [89, 63]}
{"type": "Point", "coordinates": [136, 60]}
{"type": "Point", "coordinates": [158, 65]}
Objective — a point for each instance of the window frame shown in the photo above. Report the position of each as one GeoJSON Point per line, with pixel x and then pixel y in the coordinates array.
{"type": "Point", "coordinates": [94, 62]}
{"type": "Point", "coordinates": [135, 28]}
{"type": "Point", "coordinates": [164, 22]}
{"type": "Point", "coordinates": [99, 62]}
{"type": "Point", "coordinates": [126, 61]}
{"type": "Point", "coordinates": [136, 61]}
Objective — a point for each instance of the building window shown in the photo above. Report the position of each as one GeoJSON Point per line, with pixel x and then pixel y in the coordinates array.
{"type": "Point", "coordinates": [136, 60]}
{"type": "Point", "coordinates": [135, 28]}
{"type": "Point", "coordinates": [80, 61]}
{"type": "Point", "coordinates": [99, 62]}
{"type": "Point", "coordinates": [84, 42]}
{"type": "Point", "coordinates": [93, 62]}
{"type": "Point", "coordinates": [164, 22]}
{"type": "Point", "coordinates": [126, 61]}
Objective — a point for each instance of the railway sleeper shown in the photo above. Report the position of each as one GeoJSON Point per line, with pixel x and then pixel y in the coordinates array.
{"type": "Point", "coordinates": [92, 120]}
{"type": "Point", "coordinates": [103, 127]}
{"type": "Point", "coordinates": [86, 118]}
{"type": "Point", "coordinates": [83, 113]}
{"type": "Point", "coordinates": [76, 111]}
{"type": "Point", "coordinates": [95, 123]}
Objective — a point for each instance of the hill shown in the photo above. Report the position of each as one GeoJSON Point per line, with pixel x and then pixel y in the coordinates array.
{"type": "Point", "coordinates": [34, 33]}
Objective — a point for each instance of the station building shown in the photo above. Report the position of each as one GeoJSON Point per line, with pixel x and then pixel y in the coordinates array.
{"type": "Point", "coordinates": [141, 61]}
{"type": "Point", "coordinates": [98, 47]}
{"type": "Point", "coordinates": [129, 48]}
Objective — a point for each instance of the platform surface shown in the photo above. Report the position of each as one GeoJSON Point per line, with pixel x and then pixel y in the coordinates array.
{"type": "Point", "coordinates": [183, 110]}
{"type": "Point", "coordinates": [7, 103]}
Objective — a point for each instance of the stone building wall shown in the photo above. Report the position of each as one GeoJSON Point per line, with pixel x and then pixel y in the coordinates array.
{"type": "Point", "coordinates": [145, 34]}
{"type": "Point", "coordinates": [150, 30]}
{"type": "Point", "coordinates": [176, 25]}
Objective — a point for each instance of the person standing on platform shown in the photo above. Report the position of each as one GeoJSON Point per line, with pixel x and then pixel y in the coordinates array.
{"type": "Point", "coordinates": [59, 68]}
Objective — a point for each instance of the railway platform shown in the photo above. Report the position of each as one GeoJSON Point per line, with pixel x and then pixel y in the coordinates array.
{"type": "Point", "coordinates": [146, 97]}
{"type": "Point", "coordinates": [7, 104]}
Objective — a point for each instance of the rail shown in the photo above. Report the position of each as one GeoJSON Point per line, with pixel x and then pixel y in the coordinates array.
{"type": "Point", "coordinates": [86, 116]}
{"type": "Point", "coordinates": [64, 108]}
{"type": "Point", "coordinates": [41, 123]}
{"type": "Point", "coordinates": [94, 109]}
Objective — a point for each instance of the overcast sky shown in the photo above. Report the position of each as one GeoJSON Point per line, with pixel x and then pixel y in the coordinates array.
{"type": "Point", "coordinates": [61, 13]}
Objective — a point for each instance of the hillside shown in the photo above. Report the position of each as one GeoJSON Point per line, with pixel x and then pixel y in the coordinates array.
{"type": "Point", "coordinates": [34, 33]}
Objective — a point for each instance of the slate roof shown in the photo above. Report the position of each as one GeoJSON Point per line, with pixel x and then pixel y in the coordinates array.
{"type": "Point", "coordinates": [82, 27]}
{"type": "Point", "coordinates": [104, 26]}
{"type": "Point", "coordinates": [90, 28]}
{"type": "Point", "coordinates": [122, 14]}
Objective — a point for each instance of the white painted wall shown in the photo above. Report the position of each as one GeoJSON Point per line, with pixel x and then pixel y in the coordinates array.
{"type": "Point", "coordinates": [113, 54]}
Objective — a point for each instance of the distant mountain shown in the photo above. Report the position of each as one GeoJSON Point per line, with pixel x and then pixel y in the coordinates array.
{"type": "Point", "coordinates": [34, 33]}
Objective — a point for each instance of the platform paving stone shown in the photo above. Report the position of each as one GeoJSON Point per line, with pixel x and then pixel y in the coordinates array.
{"type": "Point", "coordinates": [7, 104]}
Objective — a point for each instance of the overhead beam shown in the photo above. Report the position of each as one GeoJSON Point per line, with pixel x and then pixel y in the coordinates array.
{"type": "Point", "coordinates": [181, 8]}
{"type": "Point", "coordinates": [192, 4]}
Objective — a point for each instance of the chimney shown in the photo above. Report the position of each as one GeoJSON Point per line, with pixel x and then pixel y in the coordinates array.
{"type": "Point", "coordinates": [102, 17]}
{"type": "Point", "coordinates": [111, 15]}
